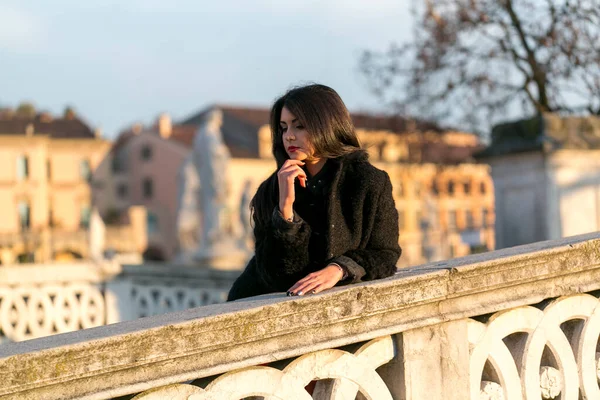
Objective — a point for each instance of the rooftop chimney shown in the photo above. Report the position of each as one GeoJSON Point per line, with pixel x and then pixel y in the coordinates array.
{"type": "Point", "coordinates": [165, 128]}
{"type": "Point", "coordinates": [29, 129]}
{"type": "Point", "coordinates": [137, 128]}
{"type": "Point", "coordinates": [45, 117]}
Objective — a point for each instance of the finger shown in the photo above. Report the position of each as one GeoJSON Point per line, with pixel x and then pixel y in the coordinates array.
{"type": "Point", "coordinates": [289, 161]}
{"type": "Point", "coordinates": [302, 181]}
{"type": "Point", "coordinates": [322, 286]}
{"type": "Point", "coordinates": [291, 168]}
{"type": "Point", "coordinates": [317, 289]}
{"type": "Point", "coordinates": [300, 283]}
{"type": "Point", "coordinates": [305, 288]}
{"type": "Point", "coordinates": [293, 175]}
{"type": "Point", "coordinates": [295, 287]}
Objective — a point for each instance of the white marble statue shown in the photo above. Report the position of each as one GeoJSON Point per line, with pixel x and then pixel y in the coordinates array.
{"type": "Point", "coordinates": [211, 158]}
{"type": "Point", "coordinates": [203, 203]}
{"type": "Point", "coordinates": [189, 212]}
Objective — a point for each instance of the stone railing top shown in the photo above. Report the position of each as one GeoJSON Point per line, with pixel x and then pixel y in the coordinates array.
{"type": "Point", "coordinates": [162, 270]}
{"type": "Point", "coordinates": [31, 274]}
{"type": "Point", "coordinates": [209, 340]}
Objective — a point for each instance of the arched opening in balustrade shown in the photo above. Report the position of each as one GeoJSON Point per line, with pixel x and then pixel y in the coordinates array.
{"type": "Point", "coordinates": [67, 255]}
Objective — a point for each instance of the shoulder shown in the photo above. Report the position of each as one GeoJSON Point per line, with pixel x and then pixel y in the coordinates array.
{"type": "Point", "coordinates": [359, 168]}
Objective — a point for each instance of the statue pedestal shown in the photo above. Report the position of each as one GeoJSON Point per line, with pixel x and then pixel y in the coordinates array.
{"type": "Point", "coordinates": [224, 255]}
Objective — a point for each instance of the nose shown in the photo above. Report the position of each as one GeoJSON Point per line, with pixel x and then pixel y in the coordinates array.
{"type": "Point", "coordinates": [288, 136]}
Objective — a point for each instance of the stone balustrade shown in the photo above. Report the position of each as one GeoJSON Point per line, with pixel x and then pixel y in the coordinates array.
{"type": "Point", "coordinates": [520, 323]}
{"type": "Point", "coordinates": [41, 300]}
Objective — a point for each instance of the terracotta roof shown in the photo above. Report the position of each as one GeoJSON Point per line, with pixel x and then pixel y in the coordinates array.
{"type": "Point", "coordinates": [239, 129]}
{"type": "Point", "coordinates": [443, 153]}
{"type": "Point", "coordinates": [122, 139]}
{"type": "Point", "coordinates": [60, 128]}
{"type": "Point", "coordinates": [184, 134]}
{"type": "Point", "coordinates": [393, 123]}
{"type": "Point", "coordinates": [253, 116]}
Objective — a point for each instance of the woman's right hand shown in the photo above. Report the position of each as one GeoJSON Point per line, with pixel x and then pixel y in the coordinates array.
{"type": "Point", "coordinates": [289, 171]}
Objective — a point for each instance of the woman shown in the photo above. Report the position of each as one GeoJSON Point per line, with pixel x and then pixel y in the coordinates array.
{"type": "Point", "coordinates": [326, 216]}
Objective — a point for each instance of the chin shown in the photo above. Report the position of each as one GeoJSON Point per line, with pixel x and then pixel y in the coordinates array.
{"type": "Point", "coordinates": [297, 156]}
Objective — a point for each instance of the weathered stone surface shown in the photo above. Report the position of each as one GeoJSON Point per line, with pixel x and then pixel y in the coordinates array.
{"type": "Point", "coordinates": [143, 354]}
{"type": "Point", "coordinates": [435, 362]}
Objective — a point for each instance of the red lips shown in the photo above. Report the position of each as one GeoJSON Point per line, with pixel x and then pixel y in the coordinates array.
{"type": "Point", "coordinates": [292, 149]}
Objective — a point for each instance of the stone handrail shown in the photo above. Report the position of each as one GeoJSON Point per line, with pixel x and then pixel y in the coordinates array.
{"type": "Point", "coordinates": [520, 323]}
{"type": "Point", "coordinates": [41, 300]}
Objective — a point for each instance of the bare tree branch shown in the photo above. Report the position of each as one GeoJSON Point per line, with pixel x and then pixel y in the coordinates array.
{"type": "Point", "coordinates": [471, 60]}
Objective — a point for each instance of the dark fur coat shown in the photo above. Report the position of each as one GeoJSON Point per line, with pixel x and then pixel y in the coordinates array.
{"type": "Point", "coordinates": [362, 234]}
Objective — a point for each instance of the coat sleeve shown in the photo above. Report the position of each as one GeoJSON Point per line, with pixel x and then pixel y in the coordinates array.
{"type": "Point", "coordinates": [378, 258]}
{"type": "Point", "coordinates": [281, 250]}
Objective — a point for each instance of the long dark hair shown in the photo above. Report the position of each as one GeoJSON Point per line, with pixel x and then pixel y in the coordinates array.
{"type": "Point", "coordinates": [329, 126]}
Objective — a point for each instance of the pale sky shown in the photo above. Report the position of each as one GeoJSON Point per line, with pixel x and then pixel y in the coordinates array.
{"type": "Point", "coordinates": [121, 61]}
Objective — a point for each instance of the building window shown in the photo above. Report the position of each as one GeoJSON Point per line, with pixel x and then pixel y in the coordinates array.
{"type": "Point", "coordinates": [148, 188]}
{"type": "Point", "coordinates": [435, 188]}
{"type": "Point", "coordinates": [401, 222]}
{"type": "Point", "coordinates": [469, 218]}
{"type": "Point", "coordinates": [152, 223]}
{"type": "Point", "coordinates": [485, 217]}
{"type": "Point", "coordinates": [50, 218]}
{"type": "Point", "coordinates": [122, 191]}
{"type": "Point", "coordinates": [399, 189]}
{"type": "Point", "coordinates": [452, 219]}
{"type": "Point", "coordinates": [24, 215]}
{"type": "Point", "coordinates": [146, 152]}
{"type": "Point", "coordinates": [26, 258]}
{"type": "Point", "coordinates": [482, 187]}
{"type": "Point", "coordinates": [115, 165]}
{"type": "Point", "coordinates": [84, 218]}
{"type": "Point", "coordinates": [22, 168]}
{"type": "Point", "coordinates": [450, 187]}
{"type": "Point", "coordinates": [467, 188]}
{"type": "Point", "coordinates": [85, 171]}
{"type": "Point", "coordinates": [49, 170]}
{"type": "Point", "coordinates": [420, 221]}
{"type": "Point", "coordinates": [119, 160]}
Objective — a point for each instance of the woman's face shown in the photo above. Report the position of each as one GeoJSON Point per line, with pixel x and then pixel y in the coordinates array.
{"type": "Point", "coordinates": [295, 137]}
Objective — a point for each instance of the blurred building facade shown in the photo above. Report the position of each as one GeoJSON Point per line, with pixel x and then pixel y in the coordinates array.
{"type": "Point", "coordinates": [141, 169]}
{"type": "Point", "coordinates": [445, 199]}
{"type": "Point", "coordinates": [46, 166]}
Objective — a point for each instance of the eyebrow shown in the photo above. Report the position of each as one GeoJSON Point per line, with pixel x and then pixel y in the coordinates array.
{"type": "Point", "coordinates": [294, 120]}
